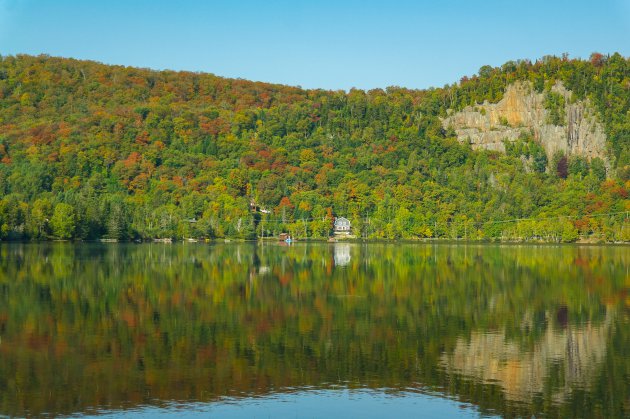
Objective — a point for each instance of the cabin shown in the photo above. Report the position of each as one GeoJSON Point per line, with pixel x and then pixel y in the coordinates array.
{"type": "Point", "coordinates": [254, 208]}
{"type": "Point", "coordinates": [342, 226]}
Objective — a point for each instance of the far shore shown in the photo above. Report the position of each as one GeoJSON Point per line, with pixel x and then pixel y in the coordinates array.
{"type": "Point", "coordinates": [354, 240]}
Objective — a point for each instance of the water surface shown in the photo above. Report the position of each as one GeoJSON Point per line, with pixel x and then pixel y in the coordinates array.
{"type": "Point", "coordinates": [312, 330]}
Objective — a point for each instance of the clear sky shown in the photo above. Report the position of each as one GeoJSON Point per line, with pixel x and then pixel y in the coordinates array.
{"type": "Point", "coordinates": [332, 44]}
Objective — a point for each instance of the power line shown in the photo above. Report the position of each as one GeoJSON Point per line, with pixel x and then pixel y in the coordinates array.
{"type": "Point", "coordinates": [557, 217]}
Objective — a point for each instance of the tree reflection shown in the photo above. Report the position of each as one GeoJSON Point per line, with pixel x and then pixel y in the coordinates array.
{"type": "Point", "coordinates": [518, 330]}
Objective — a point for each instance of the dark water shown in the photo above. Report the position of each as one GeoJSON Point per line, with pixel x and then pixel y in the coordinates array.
{"type": "Point", "coordinates": [318, 330]}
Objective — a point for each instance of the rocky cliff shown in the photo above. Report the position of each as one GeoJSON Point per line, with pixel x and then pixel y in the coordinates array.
{"type": "Point", "coordinates": [523, 110]}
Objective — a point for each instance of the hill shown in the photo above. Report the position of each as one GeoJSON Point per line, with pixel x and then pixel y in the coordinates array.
{"type": "Point", "coordinates": [92, 151]}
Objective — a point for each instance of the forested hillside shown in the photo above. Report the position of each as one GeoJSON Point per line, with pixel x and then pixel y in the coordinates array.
{"type": "Point", "coordinates": [92, 151]}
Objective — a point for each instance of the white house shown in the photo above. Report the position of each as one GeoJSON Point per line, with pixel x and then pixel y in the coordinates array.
{"type": "Point", "coordinates": [342, 226]}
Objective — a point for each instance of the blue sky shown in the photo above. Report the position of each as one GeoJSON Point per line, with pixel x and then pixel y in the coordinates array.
{"type": "Point", "coordinates": [316, 44]}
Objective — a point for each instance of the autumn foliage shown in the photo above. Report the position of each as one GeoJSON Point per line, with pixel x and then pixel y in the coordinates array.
{"type": "Point", "coordinates": [138, 154]}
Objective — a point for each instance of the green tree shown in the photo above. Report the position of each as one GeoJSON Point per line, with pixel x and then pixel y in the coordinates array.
{"type": "Point", "coordinates": [117, 220]}
{"type": "Point", "coordinates": [41, 213]}
{"type": "Point", "coordinates": [554, 104]}
{"type": "Point", "coordinates": [539, 157]}
{"type": "Point", "coordinates": [569, 232]}
{"type": "Point", "coordinates": [598, 168]}
{"type": "Point", "coordinates": [63, 221]}
{"type": "Point", "coordinates": [578, 166]}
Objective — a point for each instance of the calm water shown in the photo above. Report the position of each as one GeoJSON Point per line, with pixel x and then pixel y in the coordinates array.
{"type": "Point", "coordinates": [314, 330]}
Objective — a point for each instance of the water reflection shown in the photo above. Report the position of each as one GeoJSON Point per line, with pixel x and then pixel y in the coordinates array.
{"type": "Point", "coordinates": [515, 330]}
{"type": "Point", "coordinates": [574, 354]}
{"type": "Point", "coordinates": [342, 254]}
{"type": "Point", "coordinates": [315, 403]}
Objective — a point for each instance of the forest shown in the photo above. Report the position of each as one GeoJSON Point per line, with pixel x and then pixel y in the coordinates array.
{"type": "Point", "coordinates": [91, 151]}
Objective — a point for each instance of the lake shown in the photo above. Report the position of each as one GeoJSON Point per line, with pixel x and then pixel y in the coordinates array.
{"type": "Point", "coordinates": [314, 330]}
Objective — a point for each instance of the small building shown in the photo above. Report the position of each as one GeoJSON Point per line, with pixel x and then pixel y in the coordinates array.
{"type": "Point", "coordinates": [342, 226]}
{"type": "Point", "coordinates": [254, 207]}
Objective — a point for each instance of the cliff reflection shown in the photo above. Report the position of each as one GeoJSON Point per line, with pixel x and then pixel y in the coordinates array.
{"type": "Point", "coordinates": [518, 330]}
{"type": "Point", "coordinates": [573, 354]}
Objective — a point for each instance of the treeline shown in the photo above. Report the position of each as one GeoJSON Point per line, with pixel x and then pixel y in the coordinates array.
{"type": "Point", "coordinates": [90, 151]}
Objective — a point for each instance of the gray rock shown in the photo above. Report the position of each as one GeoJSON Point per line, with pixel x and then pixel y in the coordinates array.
{"type": "Point", "coordinates": [487, 126]}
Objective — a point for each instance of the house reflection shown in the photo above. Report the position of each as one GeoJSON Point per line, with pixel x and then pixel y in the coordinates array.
{"type": "Point", "coordinates": [342, 254]}
{"type": "Point", "coordinates": [570, 354]}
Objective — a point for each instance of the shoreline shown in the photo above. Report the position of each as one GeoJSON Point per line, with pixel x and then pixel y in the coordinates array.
{"type": "Point", "coordinates": [584, 242]}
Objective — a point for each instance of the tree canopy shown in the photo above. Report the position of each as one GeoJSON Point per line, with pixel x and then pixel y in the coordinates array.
{"type": "Point", "coordinates": [137, 153]}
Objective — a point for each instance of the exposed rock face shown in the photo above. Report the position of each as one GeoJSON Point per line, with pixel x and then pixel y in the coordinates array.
{"type": "Point", "coordinates": [521, 110]}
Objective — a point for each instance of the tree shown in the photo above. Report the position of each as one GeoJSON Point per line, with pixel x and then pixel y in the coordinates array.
{"type": "Point", "coordinates": [63, 221]}
{"type": "Point", "coordinates": [569, 232]}
{"type": "Point", "coordinates": [555, 106]}
{"type": "Point", "coordinates": [598, 169]}
{"type": "Point", "coordinates": [560, 163]}
{"type": "Point", "coordinates": [539, 157]}
{"type": "Point", "coordinates": [41, 213]}
{"type": "Point", "coordinates": [118, 220]}
{"type": "Point", "coordinates": [578, 166]}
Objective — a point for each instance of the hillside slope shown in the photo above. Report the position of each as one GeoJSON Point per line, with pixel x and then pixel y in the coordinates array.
{"type": "Point", "coordinates": [89, 151]}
